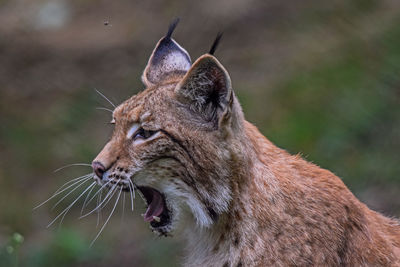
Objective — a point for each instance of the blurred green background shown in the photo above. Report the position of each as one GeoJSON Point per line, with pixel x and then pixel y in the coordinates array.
{"type": "Point", "coordinates": [320, 78]}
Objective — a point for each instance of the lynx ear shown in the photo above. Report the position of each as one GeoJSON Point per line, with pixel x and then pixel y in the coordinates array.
{"type": "Point", "coordinates": [206, 88]}
{"type": "Point", "coordinates": [168, 59]}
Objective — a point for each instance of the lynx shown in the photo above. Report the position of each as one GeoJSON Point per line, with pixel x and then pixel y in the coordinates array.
{"type": "Point", "coordinates": [211, 177]}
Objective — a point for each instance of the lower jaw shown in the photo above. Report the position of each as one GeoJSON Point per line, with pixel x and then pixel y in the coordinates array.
{"type": "Point", "coordinates": [164, 230]}
{"type": "Point", "coordinates": [163, 227]}
{"type": "Point", "coordinates": [164, 219]}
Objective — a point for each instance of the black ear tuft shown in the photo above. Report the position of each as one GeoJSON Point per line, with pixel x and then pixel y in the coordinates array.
{"type": "Point", "coordinates": [168, 59]}
{"type": "Point", "coordinates": [171, 28]}
{"type": "Point", "coordinates": [215, 44]}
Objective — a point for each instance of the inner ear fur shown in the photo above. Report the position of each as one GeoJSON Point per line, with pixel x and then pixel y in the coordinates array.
{"type": "Point", "coordinates": [206, 89]}
{"type": "Point", "coordinates": [168, 59]}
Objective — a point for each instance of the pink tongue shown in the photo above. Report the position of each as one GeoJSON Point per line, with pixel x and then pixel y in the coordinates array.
{"type": "Point", "coordinates": [155, 207]}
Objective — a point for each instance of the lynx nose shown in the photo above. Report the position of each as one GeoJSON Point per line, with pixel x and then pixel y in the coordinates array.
{"type": "Point", "coordinates": [98, 169]}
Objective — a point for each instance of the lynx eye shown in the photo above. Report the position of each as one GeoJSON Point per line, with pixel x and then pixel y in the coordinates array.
{"type": "Point", "coordinates": [136, 132]}
{"type": "Point", "coordinates": [143, 134]}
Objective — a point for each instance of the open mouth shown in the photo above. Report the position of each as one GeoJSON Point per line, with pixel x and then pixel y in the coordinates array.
{"type": "Point", "coordinates": [157, 213]}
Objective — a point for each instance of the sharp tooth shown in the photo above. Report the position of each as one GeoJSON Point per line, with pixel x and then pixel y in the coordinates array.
{"type": "Point", "coordinates": [157, 219]}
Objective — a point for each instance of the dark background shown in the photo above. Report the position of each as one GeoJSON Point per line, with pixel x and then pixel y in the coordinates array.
{"type": "Point", "coordinates": [320, 78]}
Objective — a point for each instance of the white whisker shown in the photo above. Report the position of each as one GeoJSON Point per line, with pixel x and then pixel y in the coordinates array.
{"type": "Point", "coordinates": [107, 109]}
{"type": "Point", "coordinates": [59, 192]}
{"type": "Point", "coordinates": [67, 208]}
{"type": "Point", "coordinates": [98, 191]}
{"type": "Point", "coordinates": [62, 218]}
{"type": "Point", "coordinates": [70, 192]}
{"type": "Point", "coordinates": [98, 211]}
{"type": "Point", "coordinates": [104, 200]}
{"type": "Point", "coordinates": [133, 188]}
{"type": "Point", "coordinates": [73, 164]}
{"type": "Point", "coordinates": [86, 198]}
{"type": "Point", "coordinates": [123, 207]}
{"type": "Point", "coordinates": [107, 197]}
{"type": "Point", "coordinates": [130, 191]}
{"type": "Point", "coordinates": [109, 101]}
{"type": "Point", "coordinates": [101, 230]}
{"type": "Point", "coordinates": [75, 179]}
{"type": "Point", "coordinates": [113, 190]}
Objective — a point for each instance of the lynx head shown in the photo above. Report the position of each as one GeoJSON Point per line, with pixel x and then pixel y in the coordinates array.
{"type": "Point", "coordinates": [174, 140]}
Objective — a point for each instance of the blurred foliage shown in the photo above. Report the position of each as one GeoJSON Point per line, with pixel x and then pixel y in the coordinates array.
{"type": "Point", "coordinates": [9, 253]}
{"type": "Point", "coordinates": [66, 249]}
{"type": "Point", "coordinates": [318, 78]}
{"type": "Point", "coordinates": [347, 99]}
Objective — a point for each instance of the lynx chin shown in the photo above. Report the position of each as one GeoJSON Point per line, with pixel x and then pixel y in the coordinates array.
{"type": "Point", "coordinates": [210, 176]}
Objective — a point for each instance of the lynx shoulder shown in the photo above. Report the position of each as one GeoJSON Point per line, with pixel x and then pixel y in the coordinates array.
{"type": "Point", "coordinates": [209, 175]}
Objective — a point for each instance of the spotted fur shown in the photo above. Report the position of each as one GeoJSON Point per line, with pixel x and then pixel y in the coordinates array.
{"type": "Point", "coordinates": [237, 199]}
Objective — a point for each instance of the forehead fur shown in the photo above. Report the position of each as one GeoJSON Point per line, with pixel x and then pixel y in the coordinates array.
{"type": "Point", "coordinates": [142, 106]}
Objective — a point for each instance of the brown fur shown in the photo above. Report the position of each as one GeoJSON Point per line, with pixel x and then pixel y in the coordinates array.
{"type": "Point", "coordinates": [262, 206]}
